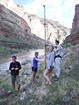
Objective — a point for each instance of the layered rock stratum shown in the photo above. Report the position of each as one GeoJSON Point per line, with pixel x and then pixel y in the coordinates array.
{"type": "Point", "coordinates": [36, 24]}
{"type": "Point", "coordinates": [15, 33]}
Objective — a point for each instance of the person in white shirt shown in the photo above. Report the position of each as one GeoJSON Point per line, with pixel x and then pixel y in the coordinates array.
{"type": "Point", "coordinates": [50, 65]}
{"type": "Point", "coordinates": [58, 56]}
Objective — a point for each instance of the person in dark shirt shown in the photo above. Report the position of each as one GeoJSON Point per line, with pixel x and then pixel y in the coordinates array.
{"type": "Point", "coordinates": [15, 66]}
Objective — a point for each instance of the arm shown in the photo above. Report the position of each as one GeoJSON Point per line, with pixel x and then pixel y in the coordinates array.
{"type": "Point", "coordinates": [39, 60]}
{"type": "Point", "coordinates": [19, 66]}
{"type": "Point", "coordinates": [10, 67]}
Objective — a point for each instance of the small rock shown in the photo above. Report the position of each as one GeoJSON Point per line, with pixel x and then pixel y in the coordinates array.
{"type": "Point", "coordinates": [67, 99]}
{"type": "Point", "coordinates": [22, 96]}
{"type": "Point", "coordinates": [9, 92]}
{"type": "Point", "coordinates": [25, 76]}
{"type": "Point", "coordinates": [31, 100]}
{"type": "Point", "coordinates": [67, 71]}
{"type": "Point", "coordinates": [8, 71]}
{"type": "Point", "coordinates": [70, 67]}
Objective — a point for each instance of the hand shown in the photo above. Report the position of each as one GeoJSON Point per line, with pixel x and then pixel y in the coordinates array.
{"type": "Point", "coordinates": [12, 68]}
{"type": "Point", "coordinates": [42, 60]}
{"type": "Point", "coordinates": [55, 46]}
{"type": "Point", "coordinates": [16, 68]}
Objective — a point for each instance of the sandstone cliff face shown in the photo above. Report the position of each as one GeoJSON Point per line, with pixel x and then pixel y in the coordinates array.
{"type": "Point", "coordinates": [11, 24]}
{"type": "Point", "coordinates": [15, 32]}
{"type": "Point", "coordinates": [54, 29]}
{"type": "Point", "coordinates": [75, 24]}
{"type": "Point", "coordinates": [73, 38]}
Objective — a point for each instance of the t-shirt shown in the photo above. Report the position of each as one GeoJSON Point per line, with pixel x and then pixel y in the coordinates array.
{"type": "Point", "coordinates": [15, 65]}
{"type": "Point", "coordinates": [50, 59]}
{"type": "Point", "coordinates": [35, 62]}
{"type": "Point", "coordinates": [58, 50]}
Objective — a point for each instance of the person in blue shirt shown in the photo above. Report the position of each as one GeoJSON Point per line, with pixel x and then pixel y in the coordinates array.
{"type": "Point", "coordinates": [50, 65]}
{"type": "Point", "coordinates": [35, 65]}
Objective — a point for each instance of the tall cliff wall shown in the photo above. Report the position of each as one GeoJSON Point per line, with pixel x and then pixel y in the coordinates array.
{"type": "Point", "coordinates": [36, 24]}
{"type": "Point", "coordinates": [15, 33]}
{"type": "Point", "coordinates": [73, 38]}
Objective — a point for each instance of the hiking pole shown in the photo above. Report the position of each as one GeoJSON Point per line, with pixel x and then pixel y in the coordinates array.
{"type": "Point", "coordinates": [45, 31]}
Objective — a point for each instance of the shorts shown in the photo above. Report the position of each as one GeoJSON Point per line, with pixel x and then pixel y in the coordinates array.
{"type": "Point", "coordinates": [15, 79]}
{"type": "Point", "coordinates": [34, 69]}
{"type": "Point", "coordinates": [50, 68]}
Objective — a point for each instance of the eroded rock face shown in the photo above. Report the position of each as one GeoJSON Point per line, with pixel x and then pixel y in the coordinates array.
{"type": "Point", "coordinates": [11, 24]}
{"type": "Point", "coordinates": [36, 24]}
{"type": "Point", "coordinates": [73, 38]}
{"type": "Point", "coordinates": [15, 31]}
{"type": "Point", "coordinates": [75, 24]}
{"type": "Point", "coordinates": [54, 30]}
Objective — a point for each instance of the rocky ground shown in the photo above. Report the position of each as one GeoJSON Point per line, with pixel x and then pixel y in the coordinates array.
{"type": "Point", "coordinates": [62, 92]}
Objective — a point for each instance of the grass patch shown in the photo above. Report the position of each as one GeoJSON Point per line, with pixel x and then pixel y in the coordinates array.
{"type": "Point", "coordinates": [66, 45]}
{"type": "Point", "coordinates": [5, 86]}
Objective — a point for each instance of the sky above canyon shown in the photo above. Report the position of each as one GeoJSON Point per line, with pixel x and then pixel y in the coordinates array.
{"type": "Point", "coordinates": [58, 10]}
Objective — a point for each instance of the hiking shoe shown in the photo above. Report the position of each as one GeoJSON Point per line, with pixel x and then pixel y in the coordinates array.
{"type": "Point", "coordinates": [50, 83]}
{"type": "Point", "coordinates": [46, 82]}
{"type": "Point", "coordinates": [54, 76]}
{"type": "Point", "coordinates": [56, 79]}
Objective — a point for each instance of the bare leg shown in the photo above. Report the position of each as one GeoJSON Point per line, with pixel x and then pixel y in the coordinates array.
{"type": "Point", "coordinates": [50, 75]}
{"type": "Point", "coordinates": [45, 79]}
{"type": "Point", "coordinates": [18, 82]}
{"type": "Point", "coordinates": [46, 73]}
{"type": "Point", "coordinates": [18, 87]}
{"type": "Point", "coordinates": [33, 76]}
